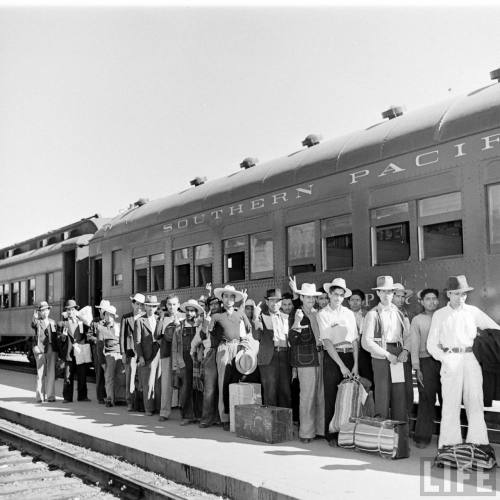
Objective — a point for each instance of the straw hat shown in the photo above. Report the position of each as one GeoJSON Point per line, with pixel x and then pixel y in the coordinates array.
{"type": "Point", "coordinates": [218, 292]}
{"type": "Point", "coordinates": [43, 305]}
{"type": "Point", "coordinates": [384, 283]}
{"type": "Point", "coordinates": [138, 297]}
{"type": "Point", "coordinates": [103, 304]}
{"type": "Point", "coordinates": [309, 290]}
{"type": "Point", "coordinates": [399, 287]}
{"type": "Point", "coordinates": [151, 300]}
{"type": "Point", "coordinates": [191, 303]}
{"type": "Point", "coordinates": [340, 283]}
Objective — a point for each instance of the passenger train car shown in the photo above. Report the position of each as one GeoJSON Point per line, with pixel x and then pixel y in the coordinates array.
{"type": "Point", "coordinates": [53, 266]}
{"type": "Point", "coordinates": [416, 196]}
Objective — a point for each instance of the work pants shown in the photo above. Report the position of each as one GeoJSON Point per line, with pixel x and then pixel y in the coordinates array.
{"type": "Point", "coordinates": [462, 379]}
{"type": "Point", "coordinates": [225, 354]}
{"type": "Point", "coordinates": [99, 375]}
{"type": "Point", "coordinates": [147, 376]}
{"type": "Point", "coordinates": [308, 381]}
{"type": "Point", "coordinates": [276, 380]}
{"type": "Point", "coordinates": [191, 401]}
{"type": "Point", "coordinates": [111, 373]}
{"type": "Point", "coordinates": [70, 369]}
{"type": "Point", "coordinates": [130, 372]}
{"type": "Point", "coordinates": [332, 376]}
{"type": "Point", "coordinates": [365, 368]}
{"type": "Point", "coordinates": [166, 387]}
{"type": "Point", "coordinates": [210, 388]}
{"type": "Point", "coordinates": [46, 375]}
{"type": "Point", "coordinates": [427, 399]}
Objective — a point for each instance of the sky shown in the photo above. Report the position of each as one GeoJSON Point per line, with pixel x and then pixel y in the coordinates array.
{"type": "Point", "coordinates": [101, 106]}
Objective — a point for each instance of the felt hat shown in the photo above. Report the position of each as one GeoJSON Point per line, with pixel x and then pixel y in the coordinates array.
{"type": "Point", "coordinates": [340, 283]}
{"type": "Point", "coordinates": [70, 304]}
{"type": "Point", "coordinates": [245, 361]}
{"type": "Point", "coordinates": [103, 304]}
{"type": "Point", "coordinates": [309, 290]}
{"type": "Point", "coordinates": [191, 303]}
{"type": "Point", "coordinates": [43, 305]}
{"type": "Point", "coordinates": [218, 292]}
{"type": "Point", "coordinates": [458, 284]}
{"type": "Point", "coordinates": [138, 297]}
{"type": "Point", "coordinates": [384, 283]}
{"type": "Point", "coordinates": [151, 300]}
{"type": "Point", "coordinates": [274, 293]}
{"type": "Point", "coordinates": [110, 310]}
{"type": "Point", "coordinates": [401, 288]}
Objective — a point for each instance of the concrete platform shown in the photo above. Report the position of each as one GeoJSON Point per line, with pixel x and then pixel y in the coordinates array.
{"type": "Point", "coordinates": [218, 461]}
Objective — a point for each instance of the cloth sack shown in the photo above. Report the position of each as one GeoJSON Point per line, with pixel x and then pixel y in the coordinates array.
{"type": "Point", "coordinates": [387, 438]}
{"type": "Point", "coordinates": [350, 398]}
{"type": "Point", "coordinates": [82, 353]}
{"type": "Point", "coordinates": [466, 456]}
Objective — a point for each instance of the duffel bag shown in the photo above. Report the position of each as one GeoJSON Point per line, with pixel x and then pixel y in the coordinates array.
{"type": "Point", "coordinates": [350, 398]}
{"type": "Point", "coordinates": [466, 456]}
{"type": "Point", "coordinates": [387, 438]}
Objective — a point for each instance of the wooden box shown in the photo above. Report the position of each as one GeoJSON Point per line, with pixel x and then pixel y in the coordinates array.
{"type": "Point", "coordinates": [270, 424]}
{"type": "Point", "coordinates": [242, 393]}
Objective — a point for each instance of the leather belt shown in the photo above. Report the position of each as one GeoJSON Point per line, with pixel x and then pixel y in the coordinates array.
{"type": "Point", "coordinates": [457, 349]}
{"type": "Point", "coordinates": [344, 349]}
{"type": "Point", "coordinates": [278, 348]}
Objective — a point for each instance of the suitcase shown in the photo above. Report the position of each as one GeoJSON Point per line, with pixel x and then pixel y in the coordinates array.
{"type": "Point", "coordinates": [242, 393]}
{"type": "Point", "coordinates": [269, 424]}
{"type": "Point", "coordinates": [388, 438]}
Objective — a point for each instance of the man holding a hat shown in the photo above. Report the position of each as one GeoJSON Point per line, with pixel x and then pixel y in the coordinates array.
{"type": "Point", "coordinates": [226, 328]}
{"type": "Point", "coordinates": [451, 336]}
{"type": "Point", "coordinates": [71, 332]}
{"type": "Point", "coordinates": [271, 330]}
{"type": "Point", "coordinates": [386, 335]}
{"type": "Point", "coordinates": [339, 334]}
{"type": "Point", "coordinates": [127, 346]}
{"type": "Point", "coordinates": [45, 349]}
{"type": "Point", "coordinates": [146, 329]}
{"type": "Point", "coordinates": [305, 351]}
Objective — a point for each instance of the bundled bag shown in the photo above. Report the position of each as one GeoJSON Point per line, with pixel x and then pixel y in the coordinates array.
{"type": "Point", "coordinates": [466, 456]}
{"type": "Point", "coordinates": [387, 438]}
{"type": "Point", "coordinates": [350, 398]}
{"type": "Point", "coordinates": [82, 353]}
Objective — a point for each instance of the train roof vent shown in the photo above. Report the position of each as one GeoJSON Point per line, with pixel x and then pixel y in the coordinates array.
{"type": "Point", "coordinates": [140, 202]}
{"type": "Point", "coordinates": [198, 181]}
{"type": "Point", "coordinates": [249, 162]}
{"type": "Point", "coordinates": [393, 112]}
{"type": "Point", "coordinates": [311, 140]}
{"type": "Point", "coordinates": [495, 74]}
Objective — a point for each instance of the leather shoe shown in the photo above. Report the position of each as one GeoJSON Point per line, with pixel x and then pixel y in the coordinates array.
{"type": "Point", "coordinates": [162, 418]}
{"type": "Point", "coordinates": [225, 426]}
{"type": "Point", "coordinates": [85, 400]}
{"type": "Point", "coordinates": [203, 425]}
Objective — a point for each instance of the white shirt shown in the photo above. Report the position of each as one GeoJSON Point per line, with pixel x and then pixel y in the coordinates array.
{"type": "Point", "coordinates": [345, 329]}
{"type": "Point", "coordinates": [152, 322]}
{"type": "Point", "coordinates": [279, 325]}
{"type": "Point", "coordinates": [456, 328]}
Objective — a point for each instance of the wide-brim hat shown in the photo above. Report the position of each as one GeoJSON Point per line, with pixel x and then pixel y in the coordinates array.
{"type": "Point", "coordinates": [274, 293]}
{"type": "Point", "coordinates": [309, 290]}
{"type": "Point", "coordinates": [384, 283]}
{"type": "Point", "coordinates": [110, 310]}
{"type": "Point", "coordinates": [218, 292]}
{"type": "Point", "coordinates": [191, 303]}
{"type": "Point", "coordinates": [250, 302]}
{"type": "Point", "coordinates": [103, 304]}
{"type": "Point", "coordinates": [151, 300]}
{"type": "Point", "coordinates": [70, 304]}
{"type": "Point", "coordinates": [398, 287]}
{"type": "Point", "coordinates": [458, 284]}
{"type": "Point", "coordinates": [43, 305]}
{"type": "Point", "coordinates": [138, 297]}
{"type": "Point", "coordinates": [245, 362]}
{"type": "Point", "coordinates": [339, 283]}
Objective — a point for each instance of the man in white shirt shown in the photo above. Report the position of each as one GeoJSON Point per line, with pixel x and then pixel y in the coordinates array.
{"type": "Point", "coordinates": [339, 334]}
{"type": "Point", "coordinates": [452, 333]}
{"type": "Point", "coordinates": [386, 335]}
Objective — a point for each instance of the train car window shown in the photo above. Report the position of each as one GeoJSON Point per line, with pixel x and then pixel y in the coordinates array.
{"type": "Point", "coordinates": [494, 217]}
{"type": "Point", "coordinates": [6, 296]}
{"type": "Point", "coordinates": [15, 294]}
{"type": "Point", "coordinates": [440, 226]}
{"type": "Point", "coordinates": [49, 287]}
{"type": "Point", "coordinates": [23, 293]}
{"type": "Point", "coordinates": [141, 274]}
{"type": "Point", "coordinates": [117, 268]}
{"type": "Point", "coordinates": [203, 261]}
{"type": "Point", "coordinates": [261, 255]}
{"type": "Point", "coordinates": [182, 268]}
{"type": "Point", "coordinates": [31, 291]}
{"type": "Point", "coordinates": [235, 250]}
{"type": "Point", "coordinates": [336, 241]}
{"type": "Point", "coordinates": [1, 297]}
{"type": "Point", "coordinates": [157, 272]}
{"type": "Point", "coordinates": [302, 248]}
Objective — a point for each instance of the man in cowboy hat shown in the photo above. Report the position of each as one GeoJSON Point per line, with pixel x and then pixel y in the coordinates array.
{"type": "Point", "coordinates": [339, 334]}
{"type": "Point", "coordinates": [170, 325]}
{"type": "Point", "coordinates": [127, 346]}
{"type": "Point", "coordinates": [305, 352]}
{"type": "Point", "coordinates": [386, 335]}
{"type": "Point", "coordinates": [271, 330]}
{"type": "Point", "coordinates": [146, 328]}
{"type": "Point", "coordinates": [225, 327]}
{"type": "Point", "coordinates": [191, 389]}
{"type": "Point", "coordinates": [92, 337]}
{"type": "Point", "coordinates": [108, 342]}
{"type": "Point", "coordinates": [452, 333]}
{"type": "Point", "coordinates": [45, 348]}
{"type": "Point", "coordinates": [72, 332]}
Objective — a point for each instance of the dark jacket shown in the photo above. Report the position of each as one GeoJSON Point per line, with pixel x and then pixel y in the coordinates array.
{"type": "Point", "coordinates": [265, 337]}
{"type": "Point", "coordinates": [127, 340]}
{"type": "Point", "coordinates": [165, 336]}
{"type": "Point", "coordinates": [79, 336]}
{"type": "Point", "coordinates": [49, 333]}
{"type": "Point", "coordinates": [303, 351]}
{"type": "Point", "coordinates": [486, 348]}
{"type": "Point", "coordinates": [145, 343]}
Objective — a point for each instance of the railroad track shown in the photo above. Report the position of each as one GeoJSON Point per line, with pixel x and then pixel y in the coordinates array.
{"type": "Point", "coordinates": [26, 458]}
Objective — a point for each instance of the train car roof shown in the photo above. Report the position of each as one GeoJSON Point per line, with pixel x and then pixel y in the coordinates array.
{"type": "Point", "coordinates": [454, 118]}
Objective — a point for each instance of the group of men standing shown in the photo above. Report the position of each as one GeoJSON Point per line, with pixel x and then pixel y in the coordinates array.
{"type": "Point", "coordinates": [202, 346]}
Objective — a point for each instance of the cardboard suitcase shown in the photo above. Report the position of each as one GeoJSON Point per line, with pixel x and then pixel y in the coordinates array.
{"type": "Point", "coordinates": [269, 424]}
{"type": "Point", "coordinates": [242, 393]}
